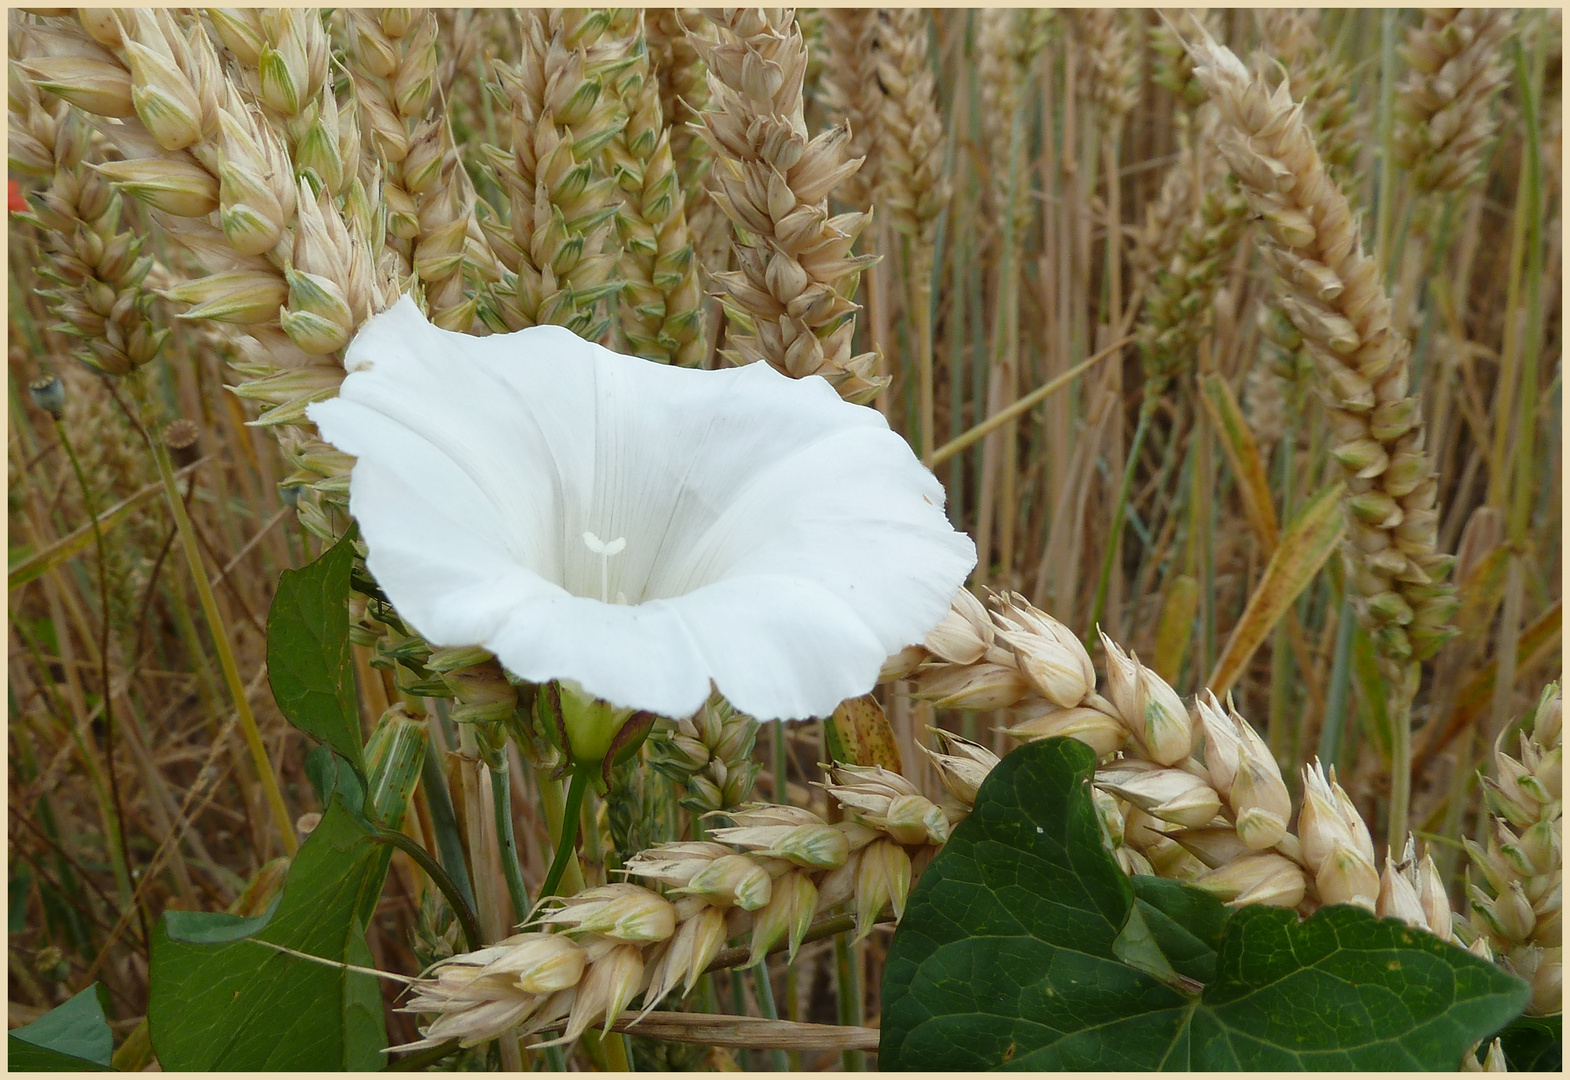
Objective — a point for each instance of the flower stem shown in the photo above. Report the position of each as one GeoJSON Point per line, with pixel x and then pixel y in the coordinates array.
{"type": "Point", "coordinates": [444, 822]}
{"type": "Point", "coordinates": [569, 828]}
{"type": "Point", "coordinates": [501, 803]}
{"type": "Point", "coordinates": [433, 870]}
{"type": "Point", "coordinates": [231, 671]}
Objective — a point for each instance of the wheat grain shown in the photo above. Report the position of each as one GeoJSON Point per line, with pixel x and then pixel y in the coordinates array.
{"type": "Point", "coordinates": [1518, 914]}
{"type": "Point", "coordinates": [1111, 68]}
{"type": "Point", "coordinates": [95, 263]}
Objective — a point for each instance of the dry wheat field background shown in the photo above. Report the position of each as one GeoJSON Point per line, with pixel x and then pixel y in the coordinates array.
{"type": "Point", "coordinates": [1229, 339]}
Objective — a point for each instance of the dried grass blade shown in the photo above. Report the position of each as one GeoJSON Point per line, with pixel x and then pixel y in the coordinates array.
{"type": "Point", "coordinates": [1176, 626]}
{"type": "Point", "coordinates": [749, 1032]}
{"type": "Point", "coordinates": [1304, 548]}
{"type": "Point", "coordinates": [859, 733]}
{"type": "Point", "coordinates": [1237, 442]}
{"type": "Point", "coordinates": [77, 541]}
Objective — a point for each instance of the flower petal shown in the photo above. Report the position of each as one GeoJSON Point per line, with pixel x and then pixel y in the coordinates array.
{"type": "Point", "coordinates": [760, 532]}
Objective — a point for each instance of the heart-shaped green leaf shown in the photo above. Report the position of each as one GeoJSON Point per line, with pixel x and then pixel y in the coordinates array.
{"type": "Point", "coordinates": [308, 662]}
{"type": "Point", "coordinates": [222, 999]}
{"type": "Point", "coordinates": [73, 1037]}
{"type": "Point", "coordinates": [1017, 950]}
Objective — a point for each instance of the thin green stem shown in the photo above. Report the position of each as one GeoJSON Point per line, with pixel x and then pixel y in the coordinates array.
{"type": "Point", "coordinates": [765, 989]}
{"type": "Point", "coordinates": [1387, 165]}
{"type": "Point", "coordinates": [421, 1058]}
{"type": "Point", "coordinates": [1400, 704]}
{"type": "Point", "coordinates": [567, 841]}
{"type": "Point", "coordinates": [1330, 732]}
{"type": "Point", "coordinates": [226, 661]}
{"type": "Point", "coordinates": [1119, 512]}
{"type": "Point", "coordinates": [847, 969]}
{"type": "Point", "coordinates": [455, 899]}
{"type": "Point", "coordinates": [501, 804]}
{"type": "Point", "coordinates": [444, 823]}
{"type": "Point", "coordinates": [123, 853]}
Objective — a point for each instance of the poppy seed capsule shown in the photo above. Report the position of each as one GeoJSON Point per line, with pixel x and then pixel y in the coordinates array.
{"type": "Point", "coordinates": [48, 393]}
{"type": "Point", "coordinates": [181, 438]}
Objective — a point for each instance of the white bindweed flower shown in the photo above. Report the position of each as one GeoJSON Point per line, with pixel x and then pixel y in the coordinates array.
{"type": "Point", "coordinates": [636, 529]}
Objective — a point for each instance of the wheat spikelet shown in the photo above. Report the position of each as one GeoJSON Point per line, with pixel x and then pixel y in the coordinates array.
{"type": "Point", "coordinates": [1330, 290]}
{"type": "Point", "coordinates": [684, 92]}
{"type": "Point", "coordinates": [1198, 168]}
{"type": "Point", "coordinates": [95, 263]}
{"type": "Point", "coordinates": [661, 312]}
{"type": "Point", "coordinates": [293, 267]}
{"type": "Point", "coordinates": [392, 63]}
{"type": "Point", "coordinates": [553, 247]}
{"type": "Point", "coordinates": [789, 302]}
{"type": "Point", "coordinates": [1007, 42]}
{"type": "Point", "coordinates": [709, 754]}
{"type": "Point", "coordinates": [1178, 305]}
{"type": "Point", "coordinates": [1292, 46]}
{"type": "Point", "coordinates": [1517, 909]}
{"type": "Point", "coordinates": [1173, 70]}
{"type": "Point", "coordinates": [1199, 800]}
{"type": "Point", "coordinates": [1111, 68]}
{"type": "Point", "coordinates": [850, 83]}
{"type": "Point", "coordinates": [912, 190]}
{"type": "Point", "coordinates": [1456, 68]}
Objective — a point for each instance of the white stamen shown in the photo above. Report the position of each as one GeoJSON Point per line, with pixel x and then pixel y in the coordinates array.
{"type": "Point", "coordinates": [605, 550]}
